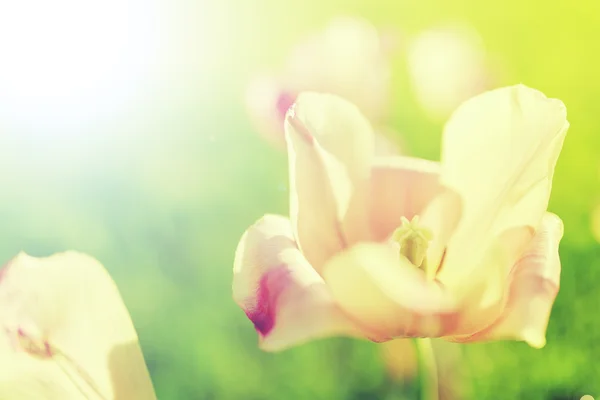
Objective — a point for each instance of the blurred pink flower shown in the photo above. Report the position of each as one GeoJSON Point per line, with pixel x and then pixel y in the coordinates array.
{"type": "Point", "coordinates": [447, 65]}
{"type": "Point", "coordinates": [348, 58]}
{"type": "Point", "coordinates": [354, 258]}
{"type": "Point", "coordinates": [66, 333]}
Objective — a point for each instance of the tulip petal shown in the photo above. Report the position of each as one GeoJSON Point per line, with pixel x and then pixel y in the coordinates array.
{"type": "Point", "coordinates": [534, 284]}
{"type": "Point", "coordinates": [330, 147]}
{"type": "Point", "coordinates": [386, 293]}
{"type": "Point", "coordinates": [384, 145]}
{"type": "Point", "coordinates": [483, 303]}
{"type": "Point", "coordinates": [441, 216]}
{"type": "Point", "coordinates": [285, 298]}
{"type": "Point", "coordinates": [499, 153]}
{"type": "Point", "coordinates": [67, 333]}
{"type": "Point", "coordinates": [267, 100]}
{"type": "Point", "coordinates": [400, 187]}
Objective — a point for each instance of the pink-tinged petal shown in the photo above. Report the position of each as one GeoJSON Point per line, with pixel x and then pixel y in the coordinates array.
{"type": "Point", "coordinates": [66, 334]}
{"type": "Point", "coordinates": [534, 283]}
{"type": "Point", "coordinates": [320, 194]}
{"type": "Point", "coordinates": [386, 293]}
{"type": "Point", "coordinates": [339, 127]}
{"type": "Point", "coordinates": [285, 298]}
{"type": "Point", "coordinates": [268, 100]}
{"type": "Point", "coordinates": [330, 147]}
{"type": "Point", "coordinates": [400, 187]}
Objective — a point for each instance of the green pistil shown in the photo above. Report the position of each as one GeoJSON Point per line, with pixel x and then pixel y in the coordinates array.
{"type": "Point", "coordinates": [413, 240]}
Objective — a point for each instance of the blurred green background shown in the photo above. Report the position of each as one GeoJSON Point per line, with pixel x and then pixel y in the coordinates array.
{"type": "Point", "coordinates": [160, 185]}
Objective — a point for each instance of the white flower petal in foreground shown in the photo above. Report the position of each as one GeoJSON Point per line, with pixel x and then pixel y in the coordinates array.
{"type": "Point", "coordinates": [66, 334]}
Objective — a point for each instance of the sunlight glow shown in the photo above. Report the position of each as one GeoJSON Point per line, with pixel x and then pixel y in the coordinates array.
{"type": "Point", "coordinates": [65, 62]}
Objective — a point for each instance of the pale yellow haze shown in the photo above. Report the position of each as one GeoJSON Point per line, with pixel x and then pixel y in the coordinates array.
{"type": "Point", "coordinates": [66, 333]}
{"type": "Point", "coordinates": [475, 254]}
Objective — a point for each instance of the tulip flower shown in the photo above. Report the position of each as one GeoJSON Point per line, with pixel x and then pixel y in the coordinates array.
{"type": "Point", "coordinates": [348, 58]}
{"type": "Point", "coordinates": [66, 333]}
{"type": "Point", "coordinates": [447, 65]}
{"type": "Point", "coordinates": [397, 247]}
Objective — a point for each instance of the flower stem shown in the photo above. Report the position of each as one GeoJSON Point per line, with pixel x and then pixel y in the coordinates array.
{"type": "Point", "coordinates": [428, 374]}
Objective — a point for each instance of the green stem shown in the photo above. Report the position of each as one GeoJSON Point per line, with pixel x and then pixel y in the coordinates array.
{"type": "Point", "coordinates": [428, 374]}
